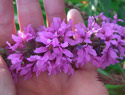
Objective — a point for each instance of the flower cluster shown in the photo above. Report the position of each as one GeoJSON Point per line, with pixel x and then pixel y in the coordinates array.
{"type": "Point", "coordinates": [62, 48]}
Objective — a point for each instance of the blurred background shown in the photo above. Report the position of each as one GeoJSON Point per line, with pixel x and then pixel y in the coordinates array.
{"type": "Point", "coordinates": [112, 76]}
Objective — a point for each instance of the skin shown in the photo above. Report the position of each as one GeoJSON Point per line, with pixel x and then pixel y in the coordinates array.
{"type": "Point", "coordinates": [124, 66]}
{"type": "Point", "coordinates": [83, 82]}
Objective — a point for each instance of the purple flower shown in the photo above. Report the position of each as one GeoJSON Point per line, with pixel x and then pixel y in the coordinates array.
{"type": "Point", "coordinates": [55, 25]}
{"type": "Point", "coordinates": [81, 34]}
{"type": "Point", "coordinates": [116, 19]}
{"type": "Point", "coordinates": [103, 17]}
{"type": "Point", "coordinates": [15, 58]}
{"type": "Point", "coordinates": [121, 47]}
{"type": "Point", "coordinates": [22, 37]}
{"type": "Point", "coordinates": [109, 57]}
{"type": "Point", "coordinates": [55, 45]}
{"type": "Point", "coordinates": [107, 33]}
{"type": "Point", "coordinates": [91, 22]}
{"type": "Point", "coordinates": [40, 63]}
{"type": "Point", "coordinates": [29, 33]}
{"type": "Point", "coordinates": [16, 61]}
{"type": "Point", "coordinates": [58, 40]}
{"type": "Point", "coordinates": [15, 67]}
{"type": "Point", "coordinates": [84, 55]}
{"type": "Point", "coordinates": [61, 46]}
{"type": "Point", "coordinates": [18, 43]}
{"type": "Point", "coordinates": [26, 71]}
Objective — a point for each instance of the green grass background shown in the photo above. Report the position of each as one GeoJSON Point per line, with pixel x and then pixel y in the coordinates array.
{"type": "Point", "coordinates": [94, 7]}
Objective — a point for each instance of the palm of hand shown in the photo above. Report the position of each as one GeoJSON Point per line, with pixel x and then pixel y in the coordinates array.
{"type": "Point", "coordinates": [83, 82]}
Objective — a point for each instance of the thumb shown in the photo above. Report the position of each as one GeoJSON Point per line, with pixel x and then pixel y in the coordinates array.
{"type": "Point", "coordinates": [7, 86]}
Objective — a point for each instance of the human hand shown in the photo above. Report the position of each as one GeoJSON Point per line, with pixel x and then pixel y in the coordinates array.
{"type": "Point", "coordinates": [83, 82]}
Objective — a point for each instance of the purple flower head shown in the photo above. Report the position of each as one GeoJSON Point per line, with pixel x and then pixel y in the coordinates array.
{"type": "Point", "coordinates": [29, 33]}
{"type": "Point", "coordinates": [121, 47]}
{"type": "Point", "coordinates": [62, 47]}
{"type": "Point", "coordinates": [108, 34]}
{"type": "Point", "coordinates": [116, 19]}
{"type": "Point", "coordinates": [109, 57]}
{"type": "Point", "coordinates": [26, 71]}
{"type": "Point", "coordinates": [40, 63]}
{"type": "Point", "coordinates": [60, 39]}
{"type": "Point", "coordinates": [23, 37]}
{"type": "Point", "coordinates": [84, 55]}
{"type": "Point", "coordinates": [15, 58]}
{"type": "Point", "coordinates": [82, 35]}
{"type": "Point", "coordinates": [18, 43]}
{"type": "Point", "coordinates": [103, 17]}
{"type": "Point", "coordinates": [54, 44]}
{"type": "Point", "coordinates": [91, 22]}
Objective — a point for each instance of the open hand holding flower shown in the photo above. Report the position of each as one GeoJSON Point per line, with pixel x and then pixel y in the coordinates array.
{"type": "Point", "coordinates": [54, 45]}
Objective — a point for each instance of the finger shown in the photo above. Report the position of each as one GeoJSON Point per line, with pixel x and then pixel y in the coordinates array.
{"type": "Point", "coordinates": [6, 83]}
{"type": "Point", "coordinates": [54, 8]}
{"type": "Point", "coordinates": [29, 12]}
{"type": "Point", "coordinates": [123, 65]}
{"type": "Point", "coordinates": [7, 26]}
{"type": "Point", "coordinates": [75, 16]}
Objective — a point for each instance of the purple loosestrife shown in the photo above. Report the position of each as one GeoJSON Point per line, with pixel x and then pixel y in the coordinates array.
{"type": "Point", "coordinates": [109, 57]}
{"type": "Point", "coordinates": [84, 55]}
{"type": "Point", "coordinates": [82, 35]}
{"type": "Point", "coordinates": [19, 51]}
{"type": "Point", "coordinates": [54, 47]}
{"type": "Point", "coordinates": [60, 48]}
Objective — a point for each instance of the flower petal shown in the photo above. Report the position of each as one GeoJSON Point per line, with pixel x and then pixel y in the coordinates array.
{"type": "Point", "coordinates": [33, 58]}
{"type": "Point", "coordinates": [40, 50]}
{"type": "Point", "coordinates": [58, 60]}
{"type": "Point", "coordinates": [67, 53]}
{"type": "Point", "coordinates": [65, 44]}
{"type": "Point", "coordinates": [15, 58]}
{"type": "Point", "coordinates": [113, 54]}
{"type": "Point", "coordinates": [15, 38]}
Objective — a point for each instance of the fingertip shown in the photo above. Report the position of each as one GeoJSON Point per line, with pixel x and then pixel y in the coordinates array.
{"type": "Point", "coordinates": [54, 8]}
{"type": "Point", "coordinates": [75, 16]}
{"type": "Point", "coordinates": [29, 12]}
{"type": "Point", "coordinates": [7, 24]}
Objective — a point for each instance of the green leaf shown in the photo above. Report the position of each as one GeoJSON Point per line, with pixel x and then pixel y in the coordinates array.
{"type": "Point", "coordinates": [115, 5]}
{"type": "Point", "coordinates": [74, 1]}
{"type": "Point", "coordinates": [105, 6]}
